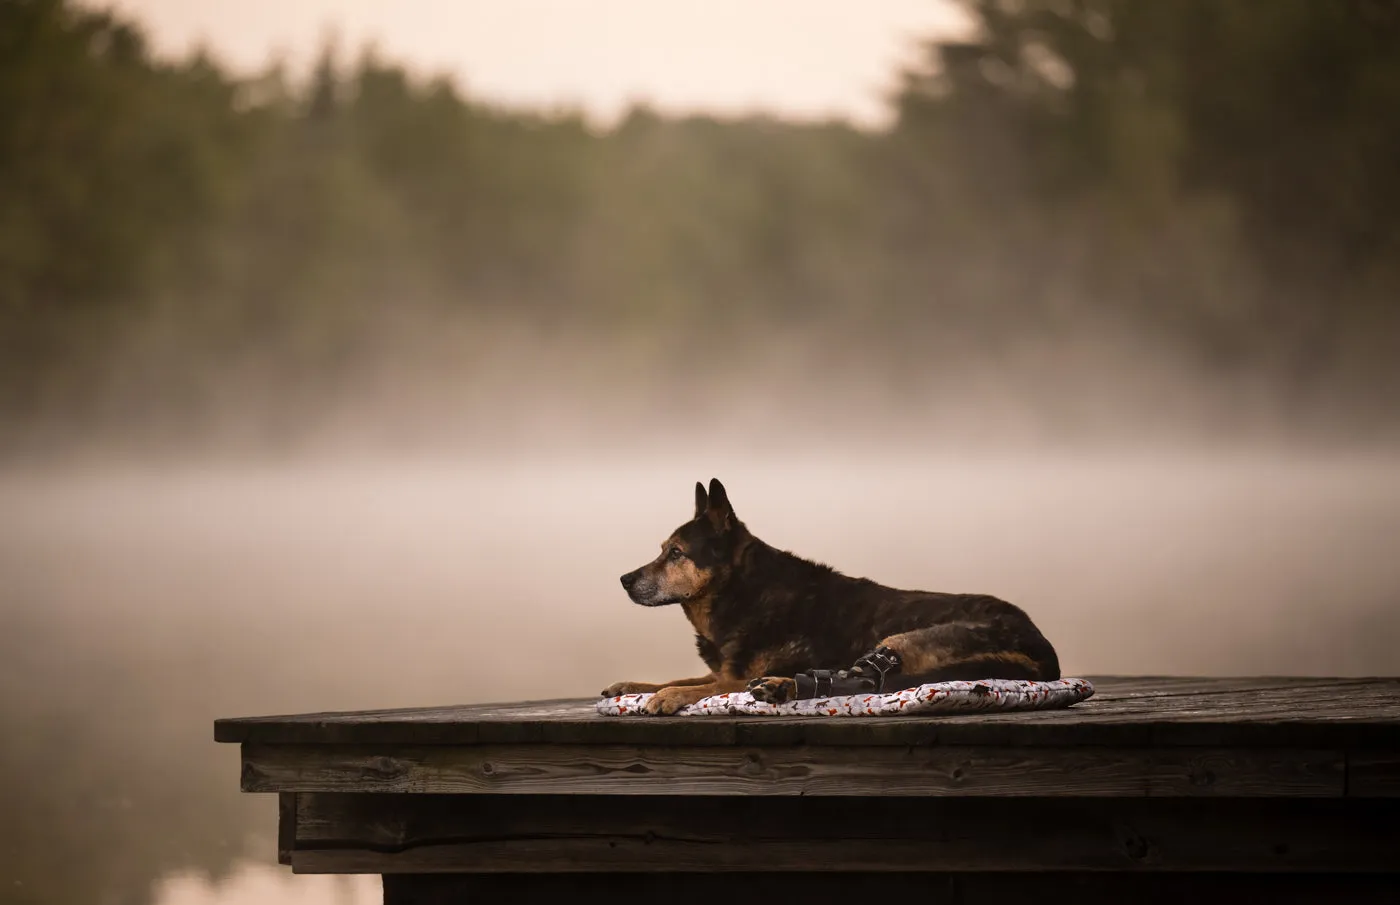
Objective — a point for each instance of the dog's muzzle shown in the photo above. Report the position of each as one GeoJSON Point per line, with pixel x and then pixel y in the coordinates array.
{"type": "Point", "coordinates": [642, 591]}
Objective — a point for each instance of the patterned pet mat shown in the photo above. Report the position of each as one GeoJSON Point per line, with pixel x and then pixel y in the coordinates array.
{"type": "Point", "coordinates": [939, 697]}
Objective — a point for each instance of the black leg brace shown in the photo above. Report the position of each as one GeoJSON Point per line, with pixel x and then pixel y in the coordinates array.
{"type": "Point", "coordinates": [867, 676]}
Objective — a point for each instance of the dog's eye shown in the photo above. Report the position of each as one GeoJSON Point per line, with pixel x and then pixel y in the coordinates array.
{"type": "Point", "coordinates": [674, 553]}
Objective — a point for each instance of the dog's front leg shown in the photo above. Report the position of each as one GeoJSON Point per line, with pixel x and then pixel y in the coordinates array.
{"type": "Point", "coordinates": [618, 688]}
{"type": "Point", "coordinates": [672, 698]}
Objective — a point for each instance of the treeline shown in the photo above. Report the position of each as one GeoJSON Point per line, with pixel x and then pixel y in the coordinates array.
{"type": "Point", "coordinates": [1218, 180]}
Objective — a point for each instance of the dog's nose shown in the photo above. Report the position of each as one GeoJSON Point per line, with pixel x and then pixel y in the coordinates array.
{"type": "Point", "coordinates": [629, 579]}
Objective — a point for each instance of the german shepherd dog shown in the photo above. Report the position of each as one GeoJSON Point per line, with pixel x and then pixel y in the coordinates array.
{"type": "Point", "coordinates": [782, 626]}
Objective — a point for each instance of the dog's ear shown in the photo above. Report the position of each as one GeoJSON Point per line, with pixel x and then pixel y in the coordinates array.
{"type": "Point", "coordinates": [702, 502]}
{"type": "Point", "coordinates": [721, 513]}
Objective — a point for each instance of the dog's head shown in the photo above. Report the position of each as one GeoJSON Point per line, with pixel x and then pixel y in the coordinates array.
{"type": "Point", "coordinates": [696, 559]}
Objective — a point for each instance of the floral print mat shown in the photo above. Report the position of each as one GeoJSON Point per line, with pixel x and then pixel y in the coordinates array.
{"type": "Point", "coordinates": [939, 697]}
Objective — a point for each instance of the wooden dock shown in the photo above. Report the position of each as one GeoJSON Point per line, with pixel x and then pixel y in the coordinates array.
{"type": "Point", "coordinates": [1155, 789]}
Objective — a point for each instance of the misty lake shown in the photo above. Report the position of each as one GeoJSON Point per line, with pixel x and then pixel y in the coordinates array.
{"type": "Point", "coordinates": [139, 602]}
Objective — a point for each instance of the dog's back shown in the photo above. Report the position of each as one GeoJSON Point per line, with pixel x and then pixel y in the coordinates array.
{"type": "Point", "coordinates": [832, 619]}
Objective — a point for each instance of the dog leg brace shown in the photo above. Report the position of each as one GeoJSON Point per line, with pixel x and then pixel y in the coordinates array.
{"type": "Point", "coordinates": [867, 676]}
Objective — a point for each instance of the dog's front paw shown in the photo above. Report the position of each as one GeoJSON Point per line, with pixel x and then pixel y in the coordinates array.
{"type": "Point", "coordinates": [618, 688]}
{"type": "Point", "coordinates": [668, 700]}
{"type": "Point", "coordinates": [773, 689]}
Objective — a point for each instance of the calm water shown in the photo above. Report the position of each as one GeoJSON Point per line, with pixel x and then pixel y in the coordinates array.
{"type": "Point", "coordinates": [138, 603]}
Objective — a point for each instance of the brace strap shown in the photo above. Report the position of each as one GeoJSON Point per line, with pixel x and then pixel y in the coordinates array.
{"type": "Point", "coordinates": [814, 683]}
{"type": "Point", "coordinates": [877, 665]}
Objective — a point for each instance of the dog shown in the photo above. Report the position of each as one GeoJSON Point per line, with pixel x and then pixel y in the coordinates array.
{"type": "Point", "coordinates": [783, 627]}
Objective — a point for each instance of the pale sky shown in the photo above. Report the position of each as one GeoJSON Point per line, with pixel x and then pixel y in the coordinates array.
{"type": "Point", "coordinates": [800, 58]}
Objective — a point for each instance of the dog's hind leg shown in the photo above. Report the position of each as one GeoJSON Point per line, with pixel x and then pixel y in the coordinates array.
{"type": "Point", "coordinates": [868, 675]}
{"type": "Point", "coordinates": [940, 653]}
{"type": "Point", "coordinates": [961, 650]}
{"type": "Point", "coordinates": [899, 661]}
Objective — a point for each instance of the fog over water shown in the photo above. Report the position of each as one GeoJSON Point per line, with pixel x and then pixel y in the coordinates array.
{"type": "Point", "coordinates": [141, 601]}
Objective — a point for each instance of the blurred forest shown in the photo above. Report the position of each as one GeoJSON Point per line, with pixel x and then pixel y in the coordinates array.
{"type": "Point", "coordinates": [1081, 192]}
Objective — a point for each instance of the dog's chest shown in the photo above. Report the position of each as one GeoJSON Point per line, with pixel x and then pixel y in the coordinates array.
{"type": "Point", "coordinates": [700, 613]}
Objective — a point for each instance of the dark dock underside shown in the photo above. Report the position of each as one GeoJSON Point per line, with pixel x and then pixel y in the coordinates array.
{"type": "Point", "coordinates": [1154, 789]}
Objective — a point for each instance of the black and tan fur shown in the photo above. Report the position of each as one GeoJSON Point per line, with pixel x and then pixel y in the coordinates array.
{"type": "Point", "coordinates": [763, 615]}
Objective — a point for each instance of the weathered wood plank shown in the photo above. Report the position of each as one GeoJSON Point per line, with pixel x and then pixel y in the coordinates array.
{"type": "Point", "coordinates": [1091, 888]}
{"type": "Point", "coordinates": [805, 770]}
{"type": "Point", "coordinates": [370, 833]}
{"type": "Point", "coordinates": [286, 825]}
{"type": "Point", "coordinates": [1109, 690]}
{"type": "Point", "coordinates": [1373, 774]}
{"type": "Point", "coordinates": [1143, 711]}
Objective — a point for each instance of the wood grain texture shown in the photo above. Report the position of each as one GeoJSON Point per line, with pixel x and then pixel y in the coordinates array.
{"type": "Point", "coordinates": [1373, 774]}
{"type": "Point", "coordinates": [1090, 888]}
{"type": "Point", "coordinates": [1148, 711]}
{"type": "Point", "coordinates": [286, 826]}
{"type": "Point", "coordinates": [359, 833]}
{"type": "Point", "coordinates": [800, 770]}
